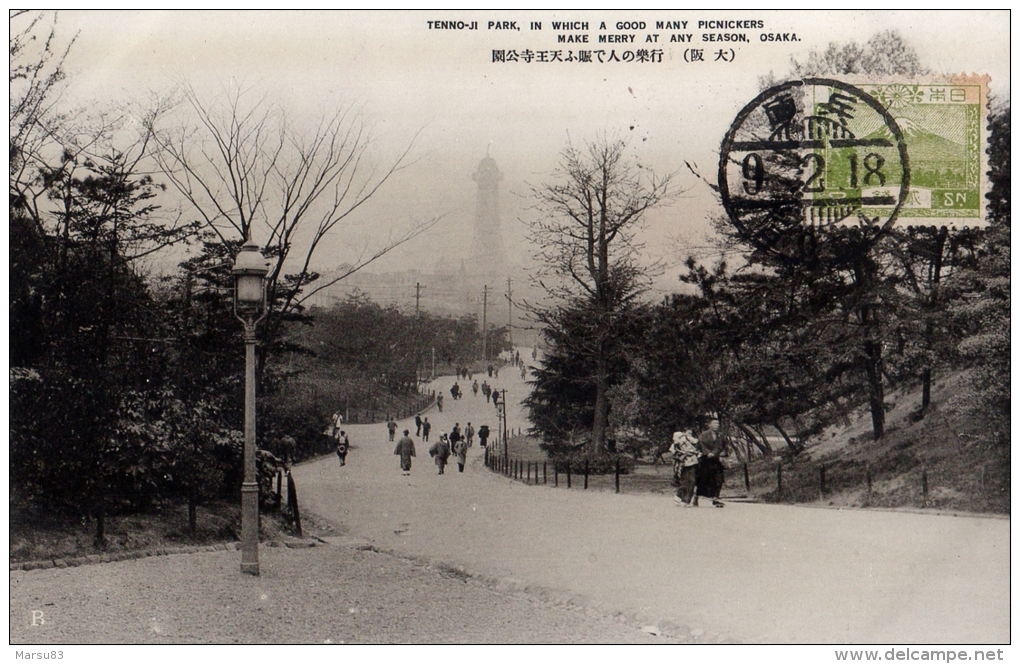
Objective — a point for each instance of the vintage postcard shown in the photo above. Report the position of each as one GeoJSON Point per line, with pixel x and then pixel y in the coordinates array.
{"type": "Point", "coordinates": [540, 280]}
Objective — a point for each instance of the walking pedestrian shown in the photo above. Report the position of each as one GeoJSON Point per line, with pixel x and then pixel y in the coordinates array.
{"type": "Point", "coordinates": [474, 388]}
{"type": "Point", "coordinates": [405, 448]}
{"type": "Point", "coordinates": [460, 448]}
{"type": "Point", "coordinates": [343, 445]}
{"type": "Point", "coordinates": [455, 435]}
{"type": "Point", "coordinates": [711, 473]}
{"type": "Point", "coordinates": [439, 402]}
{"type": "Point", "coordinates": [685, 466]}
{"type": "Point", "coordinates": [417, 424]}
{"type": "Point", "coordinates": [391, 426]}
{"type": "Point", "coordinates": [469, 434]}
{"type": "Point", "coordinates": [483, 435]}
{"type": "Point", "coordinates": [440, 451]}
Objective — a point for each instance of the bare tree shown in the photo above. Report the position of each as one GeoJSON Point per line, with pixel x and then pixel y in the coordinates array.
{"type": "Point", "coordinates": [586, 240]}
{"type": "Point", "coordinates": [251, 174]}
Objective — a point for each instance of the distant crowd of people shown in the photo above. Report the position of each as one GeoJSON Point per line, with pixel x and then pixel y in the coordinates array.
{"type": "Point", "coordinates": [452, 444]}
{"type": "Point", "coordinates": [456, 443]}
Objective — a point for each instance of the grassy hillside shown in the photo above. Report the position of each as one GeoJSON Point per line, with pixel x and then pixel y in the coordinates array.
{"type": "Point", "coordinates": [966, 470]}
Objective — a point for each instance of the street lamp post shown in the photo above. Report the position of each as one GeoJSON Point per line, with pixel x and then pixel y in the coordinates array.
{"type": "Point", "coordinates": [249, 307]}
{"type": "Point", "coordinates": [506, 438]}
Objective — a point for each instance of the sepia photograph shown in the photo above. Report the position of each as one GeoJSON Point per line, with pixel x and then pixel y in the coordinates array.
{"type": "Point", "coordinates": [656, 328]}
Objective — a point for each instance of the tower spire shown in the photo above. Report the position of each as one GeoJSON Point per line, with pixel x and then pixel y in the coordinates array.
{"type": "Point", "coordinates": [488, 256]}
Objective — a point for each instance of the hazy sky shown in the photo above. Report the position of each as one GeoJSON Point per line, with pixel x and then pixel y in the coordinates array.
{"type": "Point", "coordinates": [407, 77]}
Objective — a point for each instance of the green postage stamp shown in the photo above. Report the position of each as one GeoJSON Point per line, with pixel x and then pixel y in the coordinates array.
{"type": "Point", "coordinates": [817, 151]}
{"type": "Point", "coordinates": [943, 126]}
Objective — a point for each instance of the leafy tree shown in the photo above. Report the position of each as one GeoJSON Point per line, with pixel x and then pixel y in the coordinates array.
{"type": "Point", "coordinates": [83, 216]}
{"type": "Point", "coordinates": [585, 239]}
{"type": "Point", "coordinates": [984, 309]}
{"type": "Point", "coordinates": [885, 53]}
{"type": "Point", "coordinates": [562, 402]}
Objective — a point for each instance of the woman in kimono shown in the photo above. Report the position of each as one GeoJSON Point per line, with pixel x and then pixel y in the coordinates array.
{"type": "Point", "coordinates": [405, 448]}
{"type": "Point", "coordinates": [685, 466]}
{"type": "Point", "coordinates": [440, 451]}
{"type": "Point", "coordinates": [460, 449]}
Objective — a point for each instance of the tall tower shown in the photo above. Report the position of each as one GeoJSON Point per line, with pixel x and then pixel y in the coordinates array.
{"type": "Point", "coordinates": [488, 256]}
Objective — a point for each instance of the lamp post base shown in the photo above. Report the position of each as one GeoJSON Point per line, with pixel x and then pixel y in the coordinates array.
{"type": "Point", "coordinates": [250, 528]}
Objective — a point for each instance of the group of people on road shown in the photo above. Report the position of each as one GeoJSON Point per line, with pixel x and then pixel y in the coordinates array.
{"type": "Point", "coordinates": [422, 427]}
{"type": "Point", "coordinates": [455, 443]}
{"type": "Point", "coordinates": [697, 468]}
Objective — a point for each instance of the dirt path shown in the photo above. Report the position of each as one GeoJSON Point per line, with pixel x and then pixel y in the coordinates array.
{"type": "Point", "coordinates": [746, 572]}
{"type": "Point", "coordinates": [326, 594]}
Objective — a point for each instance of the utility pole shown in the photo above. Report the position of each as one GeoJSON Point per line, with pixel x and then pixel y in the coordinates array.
{"type": "Point", "coordinates": [417, 297]}
{"type": "Point", "coordinates": [417, 331]}
{"type": "Point", "coordinates": [510, 315]}
{"type": "Point", "coordinates": [506, 439]}
{"type": "Point", "coordinates": [485, 322]}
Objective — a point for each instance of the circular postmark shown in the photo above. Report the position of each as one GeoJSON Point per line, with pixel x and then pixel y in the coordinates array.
{"type": "Point", "coordinates": [812, 153]}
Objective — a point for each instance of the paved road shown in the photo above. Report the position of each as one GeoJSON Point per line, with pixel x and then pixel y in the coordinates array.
{"type": "Point", "coordinates": [754, 573]}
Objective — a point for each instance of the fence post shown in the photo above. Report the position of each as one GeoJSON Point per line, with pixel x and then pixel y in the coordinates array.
{"type": "Point", "coordinates": [924, 484]}
{"type": "Point", "coordinates": [617, 474]}
{"type": "Point", "coordinates": [821, 482]}
{"type": "Point", "coordinates": [779, 482]}
{"type": "Point", "coordinates": [747, 480]}
{"type": "Point", "coordinates": [293, 502]}
{"type": "Point", "coordinates": [545, 478]}
{"type": "Point", "coordinates": [585, 473]}
{"type": "Point", "coordinates": [568, 474]}
{"type": "Point", "coordinates": [556, 475]}
{"type": "Point", "coordinates": [528, 481]}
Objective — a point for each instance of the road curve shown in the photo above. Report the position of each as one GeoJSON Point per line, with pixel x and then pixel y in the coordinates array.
{"type": "Point", "coordinates": [751, 573]}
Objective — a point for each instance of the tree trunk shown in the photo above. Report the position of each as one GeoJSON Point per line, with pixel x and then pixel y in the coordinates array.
{"type": "Point", "coordinates": [760, 443]}
{"type": "Point", "coordinates": [796, 447]}
{"type": "Point", "coordinates": [867, 279]}
{"type": "Point", "coordinates": [933, 303]}
{"type": "Point", "coordinates": [192, 512]}
{"type": "Point", "coordinates": [876, 392]}
{"type": "Point", "coordinates": [100, 541]}
{"type": "Point", "coordinates": [601, 421]}
{"type": "Point", "coordinates": [925, 389]}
